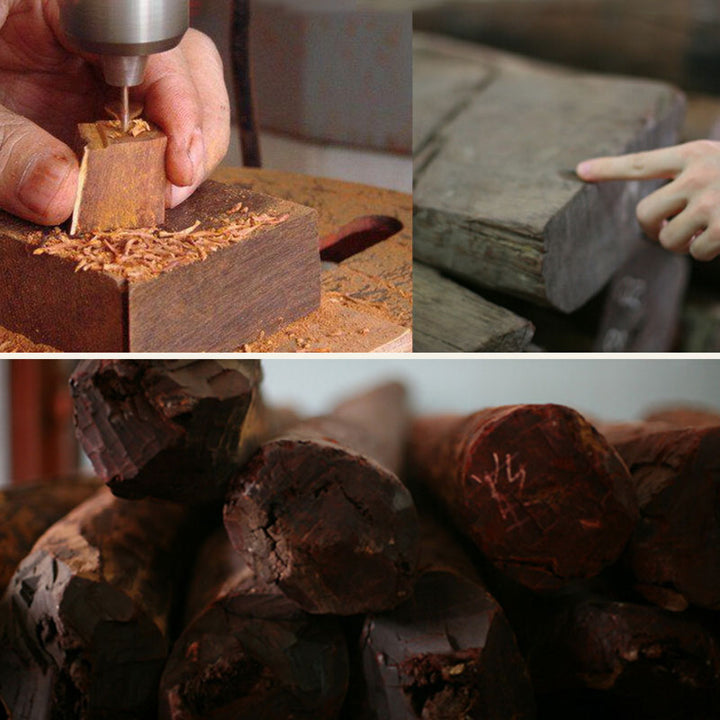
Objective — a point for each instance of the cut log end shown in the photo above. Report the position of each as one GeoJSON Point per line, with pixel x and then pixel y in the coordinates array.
{"type": "Point", "coordinates": [341, 539]}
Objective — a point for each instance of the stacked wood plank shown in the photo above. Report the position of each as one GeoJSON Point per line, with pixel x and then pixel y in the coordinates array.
{"type": "Point", "coordinates": [517, 562]}
{"type": "Point", "coordinates": [497, 207]}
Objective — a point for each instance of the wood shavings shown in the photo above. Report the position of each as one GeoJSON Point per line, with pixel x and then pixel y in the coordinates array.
{"type": "Point", "coordinates": [145, 253]}
{"type": "Point", "coordinates": [113, 128]}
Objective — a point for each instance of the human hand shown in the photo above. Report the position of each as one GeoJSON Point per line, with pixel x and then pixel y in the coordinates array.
{"type": "Point", "coordinates": [683, 215]}
{"type": "Point", "coordinates": [46, 89]}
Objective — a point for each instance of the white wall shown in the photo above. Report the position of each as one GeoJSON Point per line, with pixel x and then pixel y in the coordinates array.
{"type": "Point", "coordinates": [608, 388]}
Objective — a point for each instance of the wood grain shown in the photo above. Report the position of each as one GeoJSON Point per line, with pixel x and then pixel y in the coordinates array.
{"type": "Point", "coordinates": [448, 317]}
{"type": "Point", "coordinates": [122, 179]}
{"type": "Point", "coordinates": [169, 429]}
{"type": "Point", "coordinates": [535, 487]}
{"type": "Point", "coordinates": [248, 651]}
{"type": "Point", "coordinates": [493, 203]}
{"type": "Point", "coordinates": [320, 512]}
{"type": "Point", "coordinates": [89, 610]}
{"type": "Point", "coordinates": [214, 304]}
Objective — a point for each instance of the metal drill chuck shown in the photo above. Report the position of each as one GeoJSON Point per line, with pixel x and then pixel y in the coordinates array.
{"type": "Point", "coordinates": [124, 32]}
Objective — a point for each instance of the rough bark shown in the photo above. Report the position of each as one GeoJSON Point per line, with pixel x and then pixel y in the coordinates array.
{"type": "Point", "coordinates": [171, 429]}
{"type": "Point", "coordinates": [249, 652]}
{"type": "Point", "coordinates": [26, 512]}
{"type": "Point", "coordinates": [320, 511]}
{"type": "Point", "coordinates": [674, 553]}
{"type": "Point", "coordinates": [535, 487]}
{"type": "Point", "coordinates": [87, 612]}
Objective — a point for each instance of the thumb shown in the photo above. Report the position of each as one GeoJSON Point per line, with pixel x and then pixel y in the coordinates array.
{"type": "Point", "coordinates": [38, 173]}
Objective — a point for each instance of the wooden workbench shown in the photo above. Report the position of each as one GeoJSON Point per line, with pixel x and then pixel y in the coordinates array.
{"type": "Point", "coordinates": [367, 297]}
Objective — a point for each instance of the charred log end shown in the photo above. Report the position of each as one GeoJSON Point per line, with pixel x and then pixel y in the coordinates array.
{"type": "Point", "coordinates": [334, 530]}
{"type": "Point", "coordinates": [556, 502]}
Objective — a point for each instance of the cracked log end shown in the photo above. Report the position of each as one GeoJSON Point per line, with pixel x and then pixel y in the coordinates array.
{"type": "Point", "coordinates": [333, 529]}
{"type": "Point", "coordinates": [456, 658]}
{"type": "Point", "coordinates": [537, 489]}
{"type": "Point", "coordinates": [169, 429]}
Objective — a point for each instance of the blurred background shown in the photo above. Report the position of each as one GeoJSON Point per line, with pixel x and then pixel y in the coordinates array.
{"type": "Point", "coordinates": [332, 83]}
{"type": "Point", "coordinates": [37, 439]}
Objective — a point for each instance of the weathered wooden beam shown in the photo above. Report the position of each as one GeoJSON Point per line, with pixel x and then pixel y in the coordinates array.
{"type": "Point", "coordinates": [495, 204]}
{"type": "Point", "coordinates": [448, 317]}
{"type": "Point", "coordinates": [449, 652]}
{"type": "Point", "coordinates": [535, 487]}
{"type": "Point", "coordinates": [227, 265]}
{"type": "Point", "coordinates": [320, 512]}
{"type": "Point", "coordinates": [122, 177]}
{"type": "Point", "coordinates": [27, 511]}
{"type": "Point", "coordinates": [87, 611]}
{"type": "Point", "coordinates": [247, 651]}
{"type": "Point", "coordinates": [674, 553]}
{"type": "Point", "coordinates": [170, 429]}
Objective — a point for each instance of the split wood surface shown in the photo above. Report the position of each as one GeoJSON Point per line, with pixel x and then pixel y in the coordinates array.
{"type": "Point", "coordinates": [489, 215]}
{"type": "Point", "coordinates": [87, 611]}
{"type": "Point", "coordinates": [27, 511]}
{"type": "Point", "coordinates": [320, 511]}
{"type": "Point", "coordinates": [171, 429]}
{"type": "Point", "coordinates": [449, 652]}
{"type": "Point", "coordinates": [122, 179]}
{"type": "Point", "coordinates": [674, 553]}
{"type": "Point", "coordinates": [535, 487]}
{"type": "Point", "coordinates": [247, 651]}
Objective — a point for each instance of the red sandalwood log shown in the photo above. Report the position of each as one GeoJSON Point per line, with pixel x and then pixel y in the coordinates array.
{"type": "Point", "coordinates": [449, 651]}
{"type": "Point", "coordinates": [645, 662]}
{"type": "Point", "coordinates": [535, 487]}
{"type": "Point", "coordinates": [249, 652]}
{"type": "Point", "coordinates": [687, 416]}
{"type": "Point", "coordinates": [27, 511]}
{"type": "Point", "coordinates": [320, 511]}
{"type": "Point", "coordinates": [87, 612]}
{"type": "Point", "coordinates": [170, 429]}
{"type": "Point", "coordinates": [674, 553]}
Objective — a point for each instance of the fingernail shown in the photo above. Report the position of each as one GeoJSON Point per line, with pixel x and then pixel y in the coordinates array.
{"type": "Point", "coordinates": [584, 168]}
{"type": "Point", "coordinates": [176, 195]}
{"type": "Point", "coordinates": [41, 181]}
{"type": "Point", "coordinates": [196, 153]}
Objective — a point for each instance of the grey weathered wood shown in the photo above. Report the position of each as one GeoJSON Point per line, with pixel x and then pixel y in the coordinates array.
{"type": "Point", "coordinates": [494, 202]}
{"type": "Point", "coordinates": [450, 318]}
{"type": "Point", "coordinates": [643, 303]}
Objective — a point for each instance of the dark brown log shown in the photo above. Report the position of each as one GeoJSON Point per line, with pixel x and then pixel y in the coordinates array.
{"type": "Point", "coordinates": [171, 429]}
{"type": "Point", "coordinates": [674, 553]}
{"type": "Point", "coordinates": [449, 651]}
{"type": "Point", "coordinates": [249, 652]}
{"type": "Point", "coordinates": [320, 511]}
{"type": "Point", "coordinates": [88, 612]}
{"type": "Point", "coordinates": [26, 512]}
{"type": "Point", "coordinates": [685, 416]}
{"type": "Point", "coordinates": [644, 662]}
{"type": "Point", "coordinates": [122, 178]}
{"type": "Point", "coordinates": [535, 487]}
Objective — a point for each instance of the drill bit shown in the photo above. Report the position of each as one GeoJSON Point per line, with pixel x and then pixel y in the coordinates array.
{"type": "Point", "coordinates": [125, 109]}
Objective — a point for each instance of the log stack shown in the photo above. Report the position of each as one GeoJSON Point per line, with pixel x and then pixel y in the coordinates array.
{"type": "Point", "coordinates": [518, 562]}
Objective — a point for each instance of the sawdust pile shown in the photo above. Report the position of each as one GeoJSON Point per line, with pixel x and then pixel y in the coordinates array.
{"type": "Point", "coordinates": [145, 253]}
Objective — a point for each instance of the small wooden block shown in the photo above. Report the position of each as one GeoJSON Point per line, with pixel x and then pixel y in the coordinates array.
{"type": "Point", "coordinates": [260, 283]}
{"type": "Point", "coordinates": [122, 179]}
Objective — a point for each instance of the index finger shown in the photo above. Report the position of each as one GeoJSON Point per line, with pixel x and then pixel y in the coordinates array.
{"type": "Point", "coordinates": [653, 164]}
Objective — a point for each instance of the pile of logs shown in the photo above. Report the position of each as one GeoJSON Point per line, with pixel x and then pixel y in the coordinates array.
{"type": "Point", "coordinates": [520, 562]}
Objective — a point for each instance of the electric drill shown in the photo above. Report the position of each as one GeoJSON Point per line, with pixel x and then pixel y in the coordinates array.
{"type": "Point", "coordinates": [123, 33]}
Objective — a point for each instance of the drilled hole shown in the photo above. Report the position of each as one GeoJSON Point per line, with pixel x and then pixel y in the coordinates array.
{"type": "Point", "coordinates": [358, 235]}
